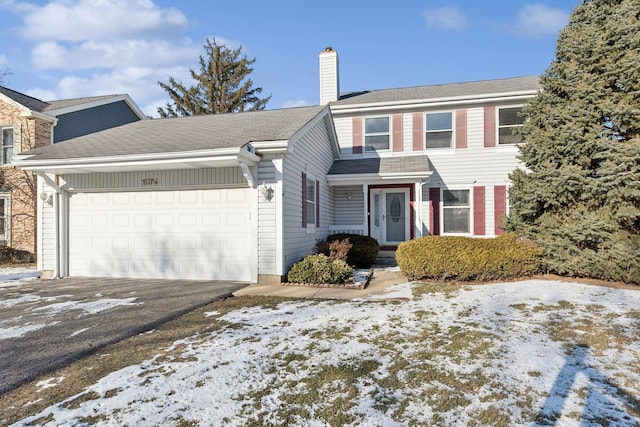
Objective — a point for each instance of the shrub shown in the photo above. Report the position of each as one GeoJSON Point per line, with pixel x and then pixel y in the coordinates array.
{"type": "Point", "coordinates": [466, 258]}
{"type": "Point", "coordinates": [339, 249]}
{"type": "Point", "coordinates": [320, 269]}
{"type": "Point", "coordinates": [9, 255]}
{"type": "Point", "coordinates": [363, 252]}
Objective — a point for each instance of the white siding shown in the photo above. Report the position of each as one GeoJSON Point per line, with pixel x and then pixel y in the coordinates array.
{"type": "Point", "coordinates": [344, 131]}
{"type": "Point", "coordinates": [46, 230]}
{"type": "Point", "coordinates": [268, 176]}
{"type": "Point", "coordinates": [312, 155]}
{"type": "Point", "coordinates": [149, 180]}
{"type": "Point", "coordinates": [349, 211]}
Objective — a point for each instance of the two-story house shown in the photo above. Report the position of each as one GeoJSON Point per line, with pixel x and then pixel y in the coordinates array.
{"type": "Point", "coordinates": [425, 160]}
{"type": "Point", "coordinates": [244, 196]}
{"type": "Point", "coordinates": [27, 123]}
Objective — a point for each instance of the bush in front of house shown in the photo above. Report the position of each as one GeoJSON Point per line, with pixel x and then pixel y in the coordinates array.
{"type": "Point", "coordinates": [363, 252]}
{"type": "Point", "coordinates": [320, 269]}
{"type": "Point", "coordinates": [468, 259]}
{"type": "Point", "coordinates": [9, 255]}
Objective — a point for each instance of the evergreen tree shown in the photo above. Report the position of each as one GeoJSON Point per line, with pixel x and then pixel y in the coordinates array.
{"type": "Point", "coordinates": [222, 85]}
{"type": "Point", "coordinates": [580, 197]}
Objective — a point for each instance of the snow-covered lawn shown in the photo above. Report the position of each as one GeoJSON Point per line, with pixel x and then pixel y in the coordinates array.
{"type": "Point", "coordinates": [526, 353]}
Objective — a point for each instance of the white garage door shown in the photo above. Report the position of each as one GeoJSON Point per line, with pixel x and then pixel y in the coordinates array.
{"type": "Point", "coordinates": [195, 234]}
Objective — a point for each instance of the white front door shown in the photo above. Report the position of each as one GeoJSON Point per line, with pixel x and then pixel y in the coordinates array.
{"type": "Point", "coordinates": [390, 219]}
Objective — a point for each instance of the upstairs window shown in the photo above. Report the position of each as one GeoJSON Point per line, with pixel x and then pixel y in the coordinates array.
{"type": "Point", "coordinates": [376, 134]}
{"type": "Point", "coordinates": [508, 120]}
{"type": "Point", "coordinates": [6, 141]}
{"type": "Point", "coordinates": [439, 130]}
{"type": "Point", "coordinates": [456, 212]}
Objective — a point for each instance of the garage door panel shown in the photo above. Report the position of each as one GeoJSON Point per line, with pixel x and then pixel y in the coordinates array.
{"type": "Point", "coordinates": [174, 234]}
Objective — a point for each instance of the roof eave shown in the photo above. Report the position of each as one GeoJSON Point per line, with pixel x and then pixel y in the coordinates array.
{"type": "Point", "coordinates": [376, 178]}
{"type": "Point", "coordinates": [338, 109]}
{"type": "Point", "coordinates": [155, 161]}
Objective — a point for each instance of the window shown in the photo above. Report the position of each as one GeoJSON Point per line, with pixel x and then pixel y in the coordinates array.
{"type": "Point", "coordinates": [376, 134]}
{"type": "Point", "coordinates": [6, 140]}
{"type": "Point", "coordinates": [508, 120]}
{"type": "Point", "coordinates": [5, 222]}
{"type": "Point", "coordinates": [456, 211]}
{"type": "Point", "coordinates": [310, 202]}
{"type": "Point", "coordinates": [439, 130]}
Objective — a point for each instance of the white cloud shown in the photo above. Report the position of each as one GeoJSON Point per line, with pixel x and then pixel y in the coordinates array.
{"type": "Point", "coordinates": [80, 20]}
{"type": "Point", "coordinates": [297, 103]}
{"type": "Point", "coordinates": [445, 18]}
{"type": "Point", "coordinates": [96, 54]}
{"type": "Point", "coordinates": [3, 60]}
{"type": "Point", "coordinates": [539, 20]}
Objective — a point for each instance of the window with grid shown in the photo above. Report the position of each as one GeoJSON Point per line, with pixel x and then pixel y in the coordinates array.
{"type": "Point", "coordinates": [376, 134]}
{"type": "Point", "coordinates": [508, 120]}
{"type": "Point", "coordinates": [456, 211]}
{"type": "Point", "coordinates": [6, 141]}
{"type": "Point", "coordinates": [439, 130]}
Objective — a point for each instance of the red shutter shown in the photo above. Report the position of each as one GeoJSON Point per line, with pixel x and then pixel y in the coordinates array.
{"type": "Point", "coordinates": [434, 211]}
{"type": "Point", "coordinates": [357, 135]}
{"type": "Point", "coordinates": [489, 126]}
{"type": "Point", "coordinates": [317, 203]}
{"type": "Point", "coordinates": [398, 143]}
{"type": "Point", "coordinates": [304, 200]}
{"type": "Point", "coordinates": [500, 206]}
{"type": "Point", "coordinates": [478, 211]}
{"type": "Point", "coordinates": [418, 131]}
{"type": "Point", "coordinates": [461, 128]}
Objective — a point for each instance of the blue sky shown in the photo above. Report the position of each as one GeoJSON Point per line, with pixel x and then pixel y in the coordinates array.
{"type": "Point", "coordinates": [73, 48]}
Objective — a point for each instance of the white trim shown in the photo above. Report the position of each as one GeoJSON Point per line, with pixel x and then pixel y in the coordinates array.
{"type": "Point", "coordinates": [389, 133]}
{"type": "Point", "coordinates": [278, 165]}
{"type": "Point", "coordinates": [429, 103]}
{"type": "Point", "coordinates": [375, 178]}
{"type": "Point", "coordinates": [441, 209]}
{"type": "Point", "coordinates": [452, 143]}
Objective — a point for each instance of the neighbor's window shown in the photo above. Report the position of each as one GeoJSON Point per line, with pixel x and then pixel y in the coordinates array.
{"type": "Point", "coordinates": [376, 134]}
{"type": "Point", "coordinates": [5, 223]}
{"type": "Point", "coordinates": [310, 202]}
{"type": "Point", "coordinates": [508, 120]}
{"type": "Point", "coordinates": [6, 141]}
{"type": "Point", "coordinates": [456, 211]}
{"type": "Point", "coordinates": [439, 130]}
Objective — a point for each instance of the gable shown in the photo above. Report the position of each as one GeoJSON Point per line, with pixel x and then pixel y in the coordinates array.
{"type": "Point", "coordinates": [95, 119]}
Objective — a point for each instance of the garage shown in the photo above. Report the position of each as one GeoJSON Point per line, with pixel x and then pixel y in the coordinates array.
{"type": "Point", "coordinates": [176, 234]}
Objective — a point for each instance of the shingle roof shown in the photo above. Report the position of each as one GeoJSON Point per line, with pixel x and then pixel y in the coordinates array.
{"type": "Point", "coordinates": [449, 90]}
{"type": "Point", "coordinates": [380, 165]}
{"type": "Point", "coordinates": [64, 103]}
{"type": "Point", "coordinates": [182, 134]}
{"type": "Point", "coordinates": [26, 100]}
{"type": "Point", "coordinates": [40, 106]}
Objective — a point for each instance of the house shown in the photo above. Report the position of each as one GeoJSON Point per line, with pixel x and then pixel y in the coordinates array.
{"type": "Point", "coordinates": [243, 196]}
{"type": "Point", "coordinates": [423, 160]}
{"type": "Point", "coordinates": [26, 123]}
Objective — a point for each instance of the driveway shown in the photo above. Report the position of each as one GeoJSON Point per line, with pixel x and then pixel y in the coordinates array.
{"type": "Point", "coordinates": [47, 324]}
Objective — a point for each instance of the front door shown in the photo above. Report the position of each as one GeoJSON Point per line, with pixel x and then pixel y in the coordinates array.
{"type": "Point", "coordinates": [389, 219]}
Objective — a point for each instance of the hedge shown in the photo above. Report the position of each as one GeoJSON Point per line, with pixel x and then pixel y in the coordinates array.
{"type": "Point", "coordinates": [320, 269]}
{"type": "Point", "coordinates": [468, 259]}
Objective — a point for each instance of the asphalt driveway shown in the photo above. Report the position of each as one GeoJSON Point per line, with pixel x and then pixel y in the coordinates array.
{"type": "Point", "coordinates": [47, 324]}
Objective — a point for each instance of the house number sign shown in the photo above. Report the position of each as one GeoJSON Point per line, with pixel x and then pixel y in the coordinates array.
{"type": "Point", "coordinates": [149, 181]}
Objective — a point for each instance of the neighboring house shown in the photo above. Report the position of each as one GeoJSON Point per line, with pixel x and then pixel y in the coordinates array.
{"type": "Point", "coordinates": [243, 196]}
{"type": "Point", "coordinates": [27, 123]}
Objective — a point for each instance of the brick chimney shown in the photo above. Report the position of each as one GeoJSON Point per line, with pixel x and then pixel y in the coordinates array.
{"type": "Point", "coordinates": [329, 81]}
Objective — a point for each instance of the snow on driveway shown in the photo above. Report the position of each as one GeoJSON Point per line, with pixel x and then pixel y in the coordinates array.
{"type": "Point", "coordinates": [533, 352]}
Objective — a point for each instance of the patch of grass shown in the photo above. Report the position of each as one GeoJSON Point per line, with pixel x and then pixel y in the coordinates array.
{"type": "Point", "coordinates": [426, 288]}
